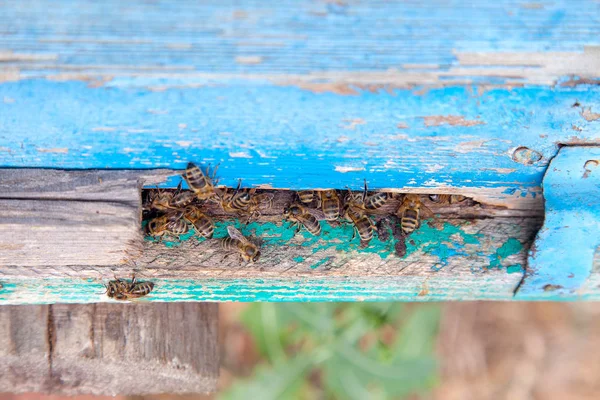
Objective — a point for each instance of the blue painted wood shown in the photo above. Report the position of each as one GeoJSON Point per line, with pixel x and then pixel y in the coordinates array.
{"type": "Point", "coordinates": [293, 138]}
{"type": "Point", "coordinates": [287, 36]}
{"type": "Point", "coordinates": [562, 257]}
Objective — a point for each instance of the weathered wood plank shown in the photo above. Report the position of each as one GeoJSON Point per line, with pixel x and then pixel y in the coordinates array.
{"type": "Point", "coordinates": [109, 349]}
{"type": "Point", "coordinates": [467, 246]}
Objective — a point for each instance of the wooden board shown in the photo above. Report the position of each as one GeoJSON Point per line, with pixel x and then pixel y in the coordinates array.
{"type": "Point", "coordinates": [109, 349]}
{"type": "Point", "coordinates": [468, 251]}
{"type": "Point", "coordinates": [304, 94]}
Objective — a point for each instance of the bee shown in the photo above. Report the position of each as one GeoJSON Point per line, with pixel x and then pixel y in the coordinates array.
{"type": "Point", "coordinates": [202, 223]}
{"type": "Point", "coordinates": [366, 202]}
{"type": "Point", "coordinates": [199, 183]}
{"type": "Point", "coordinates": [235, 202]}
{"type": "Point", "coordinates": [447, 198]}
{"type": "Point", "coordinates": [159, 200]}
{"type": "Point", "coordinates": [170, 223]}
{"type": "Point", "coordinates": [362, 223]}
{"type": "Point", "coordinates": [374, 201]}
{"type": "Point", "coordinates": [258, 202]}
{"type": "Point", "coordinates": [301, 216]}
{"type": "Point", "coordinates": [181, 199]}
{"type": "Point", "coordinates": [238, 243]}
{"type": "Point", "coordinates": [120, 289]}
{"type": "Point", "coordinates": [410, 212]}
{"type": "Point", "coordinates": [329, 201]}
{"type": "Point", "coordinates": [306, 196]}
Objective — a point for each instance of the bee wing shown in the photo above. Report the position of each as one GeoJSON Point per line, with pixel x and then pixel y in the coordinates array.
{"type": "Point", "coordinates": [264, 199]}
{"type": "Point", "coordinates": [319, 214]}
{"type": "Point", "coordinates": [426, 212]}
{"type": "Point", "coordinates": [235, 234]}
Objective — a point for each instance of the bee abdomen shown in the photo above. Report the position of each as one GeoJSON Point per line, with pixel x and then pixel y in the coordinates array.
{"type": "Point", "coordinates": [177, 227]}
{"type": "Point", "coordinates": [230, 244]}
{"type": "Point", "coordinates": [311, 223]}
{"type": "Point", "coordinates": [241, 201]}
{"type": "Point", "coordinates": [204, 226]}
{"type": "Point", "coordinates": [376, 201]}
{"type": "Point", "coordinates": [410, 221]}
{"type": "Point", "coordinates": [141, 288]}
{"type": "Point", "coordinates": [306, 196]}
{"type": "Point", "coordinates": [364, 228]}
{"type": "Point", "coordinates": [195, 177]}
{"type": "Point", "coordinates": [182, 199]}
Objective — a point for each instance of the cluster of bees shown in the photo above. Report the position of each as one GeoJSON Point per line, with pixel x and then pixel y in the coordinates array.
{"type": "Point", "coordinates": [175, 213]}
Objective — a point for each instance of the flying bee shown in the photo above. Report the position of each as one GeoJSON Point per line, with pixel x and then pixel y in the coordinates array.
{"type": "Point", "coordinates": [410, 212]}
{"type": "Point", "coordinates": [329, 201]}
{"type": "Point", "coordinates": [447, 198]}
{"type": "Point", "coordinates": [238, 243]}
{"type": "Point", "coordinates": [362, 223]}
{"type": "Point", "coordinates": [202, 223]}
{"type": "Point", "coordinates": [170, 223]}
{"type": "Point", "coordinates": [302, 216]}
{"type": "Point", "coordinates": [199, 183]}
{"type": "Point", "coordinates": [306, 196]}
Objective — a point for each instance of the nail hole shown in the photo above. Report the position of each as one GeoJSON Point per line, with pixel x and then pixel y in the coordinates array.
{"type": "Point", "coordinates": [526, 156]}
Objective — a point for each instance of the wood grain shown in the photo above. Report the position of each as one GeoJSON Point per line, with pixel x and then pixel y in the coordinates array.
{"type": "Point", "coordinates": [109, 349]}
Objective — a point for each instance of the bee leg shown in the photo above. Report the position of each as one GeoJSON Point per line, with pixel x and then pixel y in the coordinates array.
{"type": "Point", "coordinates": [365, 192]}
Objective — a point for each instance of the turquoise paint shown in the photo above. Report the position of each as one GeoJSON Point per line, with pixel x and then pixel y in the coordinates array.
{"type": "Point", "coordinates": [298, 259]}
{"type": "Point", "coordinates": [439, 242]}
{"type": "Point", "coordinates": [562, 255]}
{"type": "Point", "coordinates": [511, 247]}
{"type": "Point", "coordinates": [515, 268]}
{"type": "Point", "coordinates": [320, 262]}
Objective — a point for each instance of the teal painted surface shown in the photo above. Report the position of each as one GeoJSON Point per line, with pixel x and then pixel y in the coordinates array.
{"type": "Point", "coordinates": [562, 257]}
{"type": "Point", "coordinates": [250, 290]}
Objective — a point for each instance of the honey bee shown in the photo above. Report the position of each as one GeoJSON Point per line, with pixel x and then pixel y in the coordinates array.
{"type": "Point", "coordinates": [159, 200]}
{"type": "Point", "coordinates": [181, 199]}
{"type": "Point", "coordinates": [120, 289]}
{"type": "Point", "coordinates": [258, 202]}
{"type": "Point", "coordinates": [238, 243]}
{"type": "Point", "coordinates": [202, 223]}
{"type": "Point", "coordinates": [235, 202]}
{"type": "Point", "coordinates": [447, 198]}
{"type": "Point", "coordinates": [170, 223]}
{"type": "Point", "coordinates": [329, 201]}
{"type": "Point", "coordinates": [306, 196]}
{"type": "Point", "coordinates": [374, 201]}
{"type": "Point", "coordinates": [410, 212]}
{"type": "Point", "coordinates": [366, 202]}
{"type": "Point", "coordinates": [362, 223]}
{"type": "Point", "coordinates": [302, 216]}
{"type": "Point", "coordinates": [199, 183]}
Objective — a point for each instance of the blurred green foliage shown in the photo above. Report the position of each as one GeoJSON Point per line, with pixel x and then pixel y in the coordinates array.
{"type": "Point", "coordinates": [340, 351]}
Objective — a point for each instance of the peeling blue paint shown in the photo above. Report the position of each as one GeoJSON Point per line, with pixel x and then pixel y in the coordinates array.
{"type": "Point", "coordinates": [296, 146]}
{"type": "Point", "coordinates": [562, 256]}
